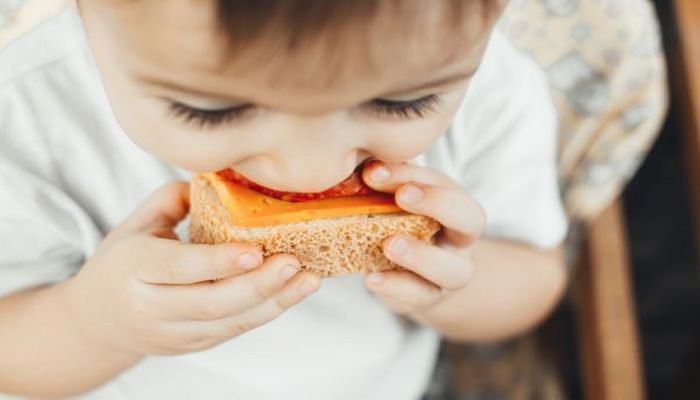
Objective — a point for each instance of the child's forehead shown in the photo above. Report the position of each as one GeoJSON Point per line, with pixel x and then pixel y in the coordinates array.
{"type": "Point", "coordinates": [181, 38]}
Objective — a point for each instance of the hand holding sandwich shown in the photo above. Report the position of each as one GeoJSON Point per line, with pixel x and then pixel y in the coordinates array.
{"type": "Point", "coordinates": [464, 287]}
{"type": "Point", "coordinates": [432, 271]}
{"type": "Point", "coordinates": [145, 292]}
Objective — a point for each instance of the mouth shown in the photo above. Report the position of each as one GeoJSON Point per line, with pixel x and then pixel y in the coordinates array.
{"type": "Point", "coordinates": [353, 185]}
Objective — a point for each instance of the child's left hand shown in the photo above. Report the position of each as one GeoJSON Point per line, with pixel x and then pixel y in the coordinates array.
{"type": "Point", "coordinates": [431, 272]}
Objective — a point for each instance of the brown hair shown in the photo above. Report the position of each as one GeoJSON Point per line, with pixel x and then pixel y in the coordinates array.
{"type": "Point", "coordinates": [243, 21]}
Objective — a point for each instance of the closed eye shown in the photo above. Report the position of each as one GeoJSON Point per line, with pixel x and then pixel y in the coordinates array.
{"type": "Point", "coordinates": [212, 118]}
{"type": "Point", "coordinates": [205, 118]}
{"type": "Point", "coordinates": [405, 109]}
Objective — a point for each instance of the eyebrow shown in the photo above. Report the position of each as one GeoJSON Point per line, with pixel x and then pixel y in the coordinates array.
{"type": "Point", "coordinates": [178, 87]}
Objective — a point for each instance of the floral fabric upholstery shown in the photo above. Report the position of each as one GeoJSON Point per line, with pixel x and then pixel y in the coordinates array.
{"type": "Point", "coordinates": [606, 68]}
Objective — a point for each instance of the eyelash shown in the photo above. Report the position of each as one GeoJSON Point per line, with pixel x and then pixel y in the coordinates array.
{"type": "Point", "coordinates": [208, 118]}
{"type": "Point", "coordinates": [417, 108]}
{"type": "Point", "coordinates": [405, 109]}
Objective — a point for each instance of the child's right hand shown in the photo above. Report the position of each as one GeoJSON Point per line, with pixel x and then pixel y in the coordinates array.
{"type": "Point", "coordinates": [144, 292]}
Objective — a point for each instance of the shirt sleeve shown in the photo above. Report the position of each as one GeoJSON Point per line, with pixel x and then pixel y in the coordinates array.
{"type": "Point", "coordinates": [44, 234]}
{"type": "Point", "coordinates": [503, 147]}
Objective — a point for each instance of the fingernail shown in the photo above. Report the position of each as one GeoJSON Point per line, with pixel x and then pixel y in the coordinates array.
{"type": "Point", "coordinates": [306, 288]}
{"type": "Point", "coordinates": [410, 194]}
{"type": "Point", "coordinates": [246, 260]}
{"type": "Point", "coordinates": [379, 174]}
{"type": "Point", "coordinates": [375, 278]}
{"type": "Point", "coordinates": [288, 271]}
{"type": "Point", "coordinates": [398, 247]}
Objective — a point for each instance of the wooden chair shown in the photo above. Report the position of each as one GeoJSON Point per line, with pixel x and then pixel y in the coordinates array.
{"type": "Point", "coordinates": [687, 86]}
{"type": "Point", "coordinates": [606, 315]}
{"type": "Point", "coordinates": [683, 49]}
{"type": "Point", "coordinates": [607, 74]}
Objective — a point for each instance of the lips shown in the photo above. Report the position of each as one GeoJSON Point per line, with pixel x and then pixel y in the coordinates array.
{"type": "Point", "coordinates": [351, 186]}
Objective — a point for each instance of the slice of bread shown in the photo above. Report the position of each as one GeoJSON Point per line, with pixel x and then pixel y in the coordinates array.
{"type": "Point", "coordinates": [327, 247]}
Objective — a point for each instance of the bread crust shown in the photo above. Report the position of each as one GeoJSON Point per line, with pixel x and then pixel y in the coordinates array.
{"type": "Point", "coordinates": [327, 247]}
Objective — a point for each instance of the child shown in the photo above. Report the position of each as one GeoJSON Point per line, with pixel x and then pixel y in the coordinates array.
{"type": "Point", "coordinates": [100, 109]}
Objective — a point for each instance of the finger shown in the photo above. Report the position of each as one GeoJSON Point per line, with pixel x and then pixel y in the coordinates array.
{"type": "Point", "coordinates": [163, 209]}
{"type": "Point", "coordinates": [296, 290]}
{"type": "Point", "coordinates": [174, 262]}
{"type": "Point", "coordinates": [446, 269]}
{"type": "Point", "coordinates": [388, 177]}
{"type": "Point", "coordinates": [463, 218]}
{"type": "Point", "coordinates": [227, 297]}
{"type": "Point", "coordinates": [403, 291]}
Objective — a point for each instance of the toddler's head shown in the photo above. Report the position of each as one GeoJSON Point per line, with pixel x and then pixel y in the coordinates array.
{"type": "Point", "coordinates": [293, 94]}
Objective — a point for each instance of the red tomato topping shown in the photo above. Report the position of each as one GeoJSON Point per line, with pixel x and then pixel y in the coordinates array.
{"type": "Point", "coordinates": [352, 186]}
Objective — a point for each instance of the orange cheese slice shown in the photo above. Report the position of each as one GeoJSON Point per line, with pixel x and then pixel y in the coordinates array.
{"type": "Point", "coordinates": [249, 208]}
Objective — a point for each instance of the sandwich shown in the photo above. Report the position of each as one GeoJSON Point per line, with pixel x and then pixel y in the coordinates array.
{"type": "Point", "coordinates": [334, 232]}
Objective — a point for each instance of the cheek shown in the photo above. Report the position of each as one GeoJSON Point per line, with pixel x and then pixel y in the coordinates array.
{"type": "Point", "coordinates": [143, 118]}
{"type": "Point", "coordinates": [148, 127]}
{"type": "Point", "coordinates": [397, 142]}
{"type": "Point", "coordinates": [147, 123]}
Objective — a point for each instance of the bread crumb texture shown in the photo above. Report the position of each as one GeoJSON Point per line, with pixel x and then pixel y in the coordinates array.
{"type": "Point", "coordinates": [326, 247]}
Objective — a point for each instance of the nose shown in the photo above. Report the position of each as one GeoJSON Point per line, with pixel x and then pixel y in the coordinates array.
{"type": "Point", "coordinates": [316, 170]}
{"type": "Point", "coordinates": [315, 153]}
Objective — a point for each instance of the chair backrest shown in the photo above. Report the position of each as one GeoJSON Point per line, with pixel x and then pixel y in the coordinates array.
{"type": "Point", "coordinates": [607, 72]}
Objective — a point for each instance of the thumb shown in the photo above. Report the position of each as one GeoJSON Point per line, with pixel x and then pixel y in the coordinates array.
{"type": "Point", "coordinates": [163, 209]}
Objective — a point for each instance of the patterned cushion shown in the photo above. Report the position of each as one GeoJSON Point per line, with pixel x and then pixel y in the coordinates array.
{"type": "Point", "coordinates": [607, 72]}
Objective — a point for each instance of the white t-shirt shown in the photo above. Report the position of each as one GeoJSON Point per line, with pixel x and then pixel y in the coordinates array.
{"type": "Point", "coordinates": [68, 175]}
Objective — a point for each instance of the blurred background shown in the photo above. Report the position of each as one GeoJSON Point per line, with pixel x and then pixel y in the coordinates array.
{"type": "Point", "coordinates": [663, 240]}
{"type": "Point", "coordinates": [660, 211]}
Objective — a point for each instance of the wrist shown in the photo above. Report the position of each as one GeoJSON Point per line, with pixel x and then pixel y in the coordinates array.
{"type": "Point", "coordinates": [73, 301]}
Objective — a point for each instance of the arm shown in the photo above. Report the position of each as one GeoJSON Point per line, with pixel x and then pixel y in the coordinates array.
{"type": "Point", "coordinates": [40, 337]}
